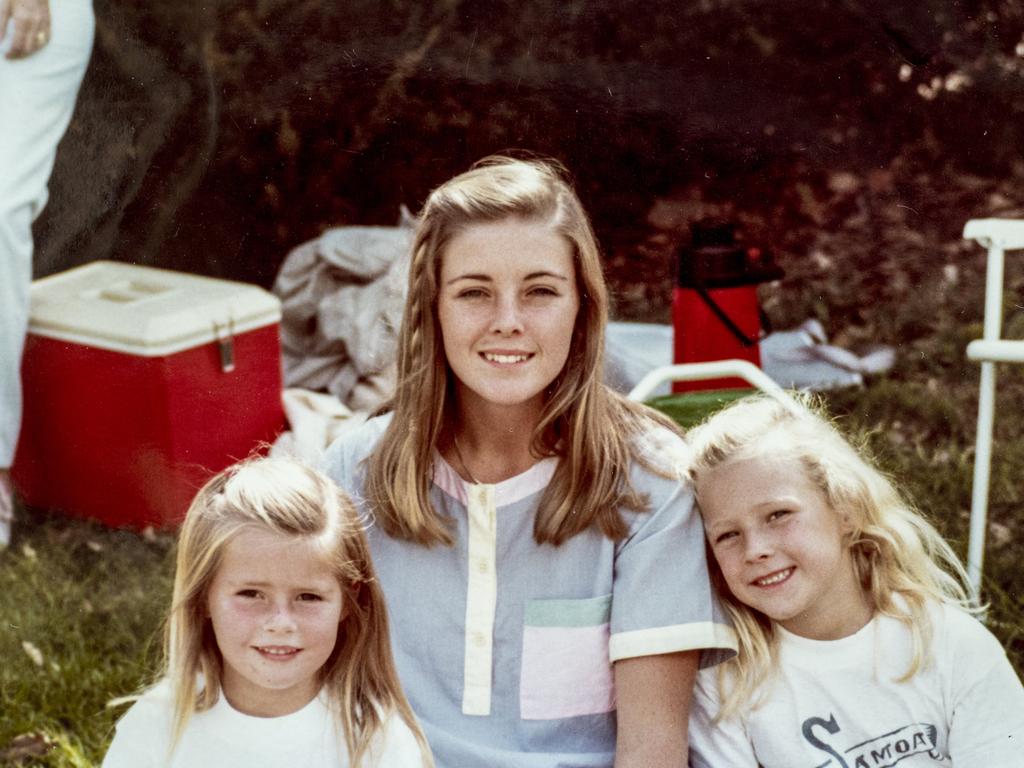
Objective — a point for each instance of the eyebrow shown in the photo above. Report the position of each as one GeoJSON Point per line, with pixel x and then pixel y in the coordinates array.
{"type": "Point", "coordinates": [785, 500]}
{"type": "Point", "coordinates": [240, 583]}
{"type": "Point", "coordinates": [489, 279]}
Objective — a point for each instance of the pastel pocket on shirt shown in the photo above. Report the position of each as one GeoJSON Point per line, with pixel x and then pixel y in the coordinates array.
{"type": "Point", "coordinates": [565, 669]}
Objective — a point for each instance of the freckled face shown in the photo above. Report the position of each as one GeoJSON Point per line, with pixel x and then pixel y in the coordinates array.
{"type": "Point", "coordinates": [507, 307]}
{"type": "Point", "coordinates": [780, 546]}
{"type": "Point", "coordinates": [275, 608]}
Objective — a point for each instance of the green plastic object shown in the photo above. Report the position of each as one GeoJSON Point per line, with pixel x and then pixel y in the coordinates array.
{"type": "Point", "coordinates": [691, 408]}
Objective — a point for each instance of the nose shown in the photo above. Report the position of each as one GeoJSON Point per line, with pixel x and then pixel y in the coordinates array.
{"type": "Point", "coordinates": [279, 619]}
{"type": "Point", "coordinates": [759, 546]}
{"type": "Point", "coordinates": [507, 318]}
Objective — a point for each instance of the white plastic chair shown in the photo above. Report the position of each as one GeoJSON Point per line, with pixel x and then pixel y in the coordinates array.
{"type": "Point", "coordinates": [715, 369]}
{"type": "Point", "coordinates": [998, 236]}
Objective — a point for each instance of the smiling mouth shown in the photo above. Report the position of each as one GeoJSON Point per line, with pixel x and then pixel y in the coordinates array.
{"type": "Point", "coordinates": [277, 652]}
{"type": "Point", "coordinates": [775, 578]}
{"type": "Point", "coordinates": [492, 357]}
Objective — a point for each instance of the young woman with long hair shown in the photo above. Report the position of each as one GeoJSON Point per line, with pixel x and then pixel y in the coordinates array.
{"type": "Point", "coordinates": [542, 560]}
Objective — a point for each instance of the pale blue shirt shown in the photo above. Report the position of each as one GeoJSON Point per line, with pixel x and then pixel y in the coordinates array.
{"type": "Point", "coordinates": [505, 647]}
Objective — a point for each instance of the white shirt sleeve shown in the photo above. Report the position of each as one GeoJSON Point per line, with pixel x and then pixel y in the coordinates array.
{"type": "Point", "coordinates": [140, 740]}
{"type": "Point", "coordinates": [715, 745]}
{"type": "Point", "coordinates": [986, 699]}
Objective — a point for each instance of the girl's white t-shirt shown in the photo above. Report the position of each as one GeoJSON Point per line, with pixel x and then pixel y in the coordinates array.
{"type": "Point", "coordinates": [841, 703]}
{"type": "Point", "coordinates": [223, 737]}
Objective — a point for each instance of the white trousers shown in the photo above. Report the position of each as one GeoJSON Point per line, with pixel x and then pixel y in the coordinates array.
{"type": "Point", "coordinates": [37, 98]}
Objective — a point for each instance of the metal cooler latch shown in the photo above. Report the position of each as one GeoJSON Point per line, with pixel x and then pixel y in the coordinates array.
{"type": "Point", "coordinates": [225, 334]}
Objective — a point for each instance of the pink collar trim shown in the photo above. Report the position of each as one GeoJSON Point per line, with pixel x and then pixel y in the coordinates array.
{"type": "Point", "coordinates": [536, 478]}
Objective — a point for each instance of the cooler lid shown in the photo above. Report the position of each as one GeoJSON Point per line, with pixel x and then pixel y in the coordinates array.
{"type": "Point", "coordinates": [143, 310]}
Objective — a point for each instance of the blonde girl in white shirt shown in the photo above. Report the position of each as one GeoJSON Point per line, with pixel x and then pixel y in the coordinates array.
{"type": "Point", "coordinates": [855, 646]}
{"type": "Point", "coordinates": [277, 648]}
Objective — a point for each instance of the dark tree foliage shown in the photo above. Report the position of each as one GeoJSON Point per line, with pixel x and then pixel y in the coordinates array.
{"type": "Point", "coordinates": [215, 136]}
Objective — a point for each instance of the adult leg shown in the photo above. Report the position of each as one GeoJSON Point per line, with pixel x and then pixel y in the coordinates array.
{"type": "Point", "coordinates": [37, 98]}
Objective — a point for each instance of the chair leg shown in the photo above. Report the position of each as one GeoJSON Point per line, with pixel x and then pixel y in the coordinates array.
{"type": "Point", "coordinates": [982, 467]}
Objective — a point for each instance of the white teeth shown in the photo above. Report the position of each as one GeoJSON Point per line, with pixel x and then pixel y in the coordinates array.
{"type": "Point", "coordinates": [278, 651]}
{"type": "Point", "coordinates": [506, 359]}
{"type": "Point", "coordinates": [774, 578]}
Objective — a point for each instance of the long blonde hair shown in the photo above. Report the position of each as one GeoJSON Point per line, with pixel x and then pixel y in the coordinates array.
{"type": "Point", "coordinates": [286, 497]}
{"type": "Point", "coordinates": [901, 561]}
{"type": "Point", "coordinates": [584, 422]}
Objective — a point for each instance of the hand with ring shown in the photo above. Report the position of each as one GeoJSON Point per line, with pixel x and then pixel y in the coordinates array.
{"type": "Point", "coordinates": [28, 24]}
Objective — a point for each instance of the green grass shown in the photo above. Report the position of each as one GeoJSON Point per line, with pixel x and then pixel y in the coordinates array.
{"type": "Point", "coordinates": [91, 600]}
{"type": "Point", "coordinates": [81, 607]}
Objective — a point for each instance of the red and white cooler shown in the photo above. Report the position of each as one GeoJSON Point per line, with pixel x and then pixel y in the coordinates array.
{"type": "Point", "coordinates": [139, 384]}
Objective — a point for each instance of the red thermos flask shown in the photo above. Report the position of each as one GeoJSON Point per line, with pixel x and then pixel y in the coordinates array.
{"type": "Point", "coordinates": [715, 310]}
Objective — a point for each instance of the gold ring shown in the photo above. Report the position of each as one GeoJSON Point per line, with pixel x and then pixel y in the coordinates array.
{"type": "Point", "coordinates": [41, 38]}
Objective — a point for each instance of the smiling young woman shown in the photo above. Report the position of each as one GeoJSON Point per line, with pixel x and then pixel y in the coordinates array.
{"type": "Point", "coordinates": [507, 307]}
{"type": "Point", "coordinates": [543, 563]}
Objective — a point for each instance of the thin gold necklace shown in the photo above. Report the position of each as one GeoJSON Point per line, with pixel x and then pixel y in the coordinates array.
{"type": "Point", "coordinates": [462, 461]}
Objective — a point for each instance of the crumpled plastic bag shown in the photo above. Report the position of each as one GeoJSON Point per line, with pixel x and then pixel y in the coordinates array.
{"type": "Point", "coordinates": [342, 299]}
{"type": "Point", "coordinates": [802, 358]}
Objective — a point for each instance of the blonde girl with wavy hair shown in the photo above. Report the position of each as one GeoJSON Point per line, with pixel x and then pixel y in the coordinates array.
{"type": "Point", "coordinates": [276, 644]}
{"type": "Point", "coordinates": [543, 563]}
{"type": "Point", "coordinates": [856, 642]}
